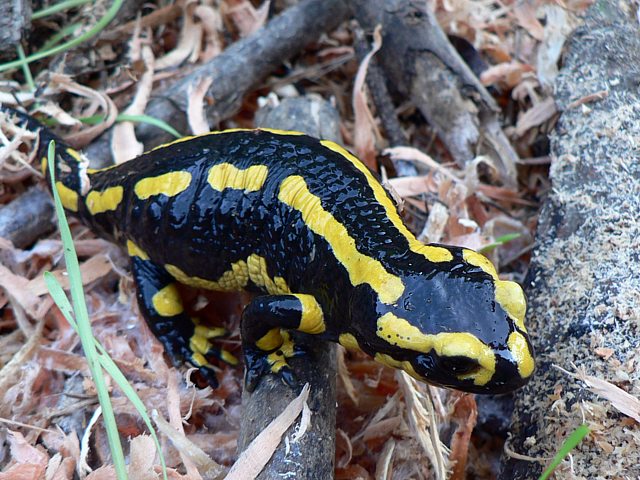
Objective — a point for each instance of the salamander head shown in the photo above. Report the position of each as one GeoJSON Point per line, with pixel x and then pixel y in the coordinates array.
{"type": "Point", "coordinates": [457, 325]}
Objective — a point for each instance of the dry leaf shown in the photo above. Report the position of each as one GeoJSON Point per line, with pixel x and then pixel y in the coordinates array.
{"type": "Point", "coordinates": [365, 126]}
{"type": "Point", "coordinates": [251, 462]}
{"type": "Point", "coordinates": [195, 109]}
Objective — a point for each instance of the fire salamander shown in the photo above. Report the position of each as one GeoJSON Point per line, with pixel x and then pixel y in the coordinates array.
{"type": "Point", "coordinates": [307, 226]}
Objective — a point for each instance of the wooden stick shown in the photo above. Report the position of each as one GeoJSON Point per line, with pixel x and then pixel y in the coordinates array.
{"type": "Point", "coordinates": [313, 455]}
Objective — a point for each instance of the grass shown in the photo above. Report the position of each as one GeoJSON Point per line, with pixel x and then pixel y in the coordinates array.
{"type": "Point", "coordinates": [569, 444]}
{"type": "Point", "coordinates": [97, 358]}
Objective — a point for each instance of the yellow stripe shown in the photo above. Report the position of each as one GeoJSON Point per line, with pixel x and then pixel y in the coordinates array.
{"type": "Point", "coordinates": [109, 199]}
{"type": "Point", "coordinates": [405, 365]}
{"type": "Point", "coordinates": [135, 251]}
{"type": "Point", "coordinates": [399, 332]}
{"type": "Point", "coordinates": [281, 132]}
{"type": "Point", "coordinates": [167, 301]}
{"type": "Point", "coordinates": [519, 348]}
{"type": "Point", "coordinates": [232, 280]}
{"type": "Point", "coordinates": [312, 320]}
{"type": "Point", "coordinates": [74, 154]}
{"type": "Point", "coordinates": [512, 300]}
{"type": "Point", "coordinates": [348, 341]}
{"type": "Point", "coordinates": [43, 166]}
{"type": "Point", "coordinates": [479, 260]}
{"type": "Point", "coordinates": [361, 268]}
{"type": "Point", "coordinates": [68, 197]}
{"type": "Point", "coordinates": [169, 184]}
{"type": "Point", "coordinates": [258, 274]}
{"type": "Point", "coordinates": [226, 175]}
{"type": "Point", "coordinates": [430, 252]}
{"type": "Point", "coordinates": [270, 341]}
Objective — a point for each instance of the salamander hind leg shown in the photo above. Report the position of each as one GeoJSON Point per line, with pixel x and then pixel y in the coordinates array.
{"type": "Point", "coordinates": [266, 343]}
{"type": "Point", "coordinates": [183, 337]}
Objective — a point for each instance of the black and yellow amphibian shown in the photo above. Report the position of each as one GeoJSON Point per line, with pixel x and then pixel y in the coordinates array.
{"type": "Point", "coordinates": [305, 224]}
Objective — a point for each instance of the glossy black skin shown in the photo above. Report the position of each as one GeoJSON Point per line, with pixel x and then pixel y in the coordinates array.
{"type": "Point", "coordinates": [203, 231]}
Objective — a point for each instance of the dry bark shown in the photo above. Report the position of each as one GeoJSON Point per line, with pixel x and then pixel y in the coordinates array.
{"type": "Point", "coordinates": [27, 218]}
{"type": "Point", "coordinates": [584, 307]}
{"type": "Point", "coordinates": [420, 62]}
{"type": "Point", "coordinates": [237, 71]}
{"type": "Point", "coordinates": [312, 456]}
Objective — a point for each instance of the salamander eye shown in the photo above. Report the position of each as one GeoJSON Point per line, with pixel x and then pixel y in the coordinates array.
{"type": "Point", "coordinates": [459, 365]}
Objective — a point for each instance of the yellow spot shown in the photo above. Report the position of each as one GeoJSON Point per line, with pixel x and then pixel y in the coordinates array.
{"type": "Point", "coordinates": [479, 260]}
{"type": "Point", "coordinates": [135, 251]}
{"type": "Point", "coordinates": [167, 301]}
{"type": "Point", "coordinates": [519, 348]}
{"type": "Point", "coordinates": [278, 359]}
{"type": "Point", "coordinates": [199, 344]}
{"type": "Point", "coordinates": [169, 184]}
{"type": "Point", "coordinates": [270, 341]}
{"type": "Point", "coordinates": [430, 252]}
{"type": "Point", "coordinates": [361, 268]}
{"type": "Point", "coordinates": [209, 332]}
{"type": "Point", "coordinates": [511, 298]}
{"type": "Point", "coordinates": [68, 197]}
{"type": "Point", "coordinates": [399, 332]}
{"type": "Point", "coordinates": [109, 199]}
{"type": "Point", "coordinates": [348, 341]}
{"type": "Point", "coordinates": [226, 175]}
{"type": "Point", "coordinates": [199, 360]}
{"type": "Point", "coordinates": [43, 166]}
{"type": "Point", "coordinates": [74, 154]}
{"type": "Point", "coordinates": [405, 365]}
{"type": "Point", "coordinates": [230, 281]}
{"type": "Point", "coordinates": [259, 275]}
{"type": "Point", "coordinates": [312, 320]}
{"type": "Point", "coordinates": [281, 132]}
{"type": "Point", "coordinates": [228, 358]}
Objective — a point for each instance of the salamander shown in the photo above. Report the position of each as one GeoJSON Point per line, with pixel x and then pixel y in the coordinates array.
{"type": "Point", "coordinates": [307, 227]}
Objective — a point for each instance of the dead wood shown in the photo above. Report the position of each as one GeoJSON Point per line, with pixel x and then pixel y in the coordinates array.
{"type": "Point", "coordinates": [312, 456]}
{"type": "Point", "coordinates": [15, 21]}
{"type": "Point", "coordinates": [584, 308]}
{"type": "Point", "coordinates": [422, 65]}
{"type": "Point", "coordinates": [385, 108]}
{"type": "Point", "coordinates": [27, 218]}
{"type": "Point", "coordinates": [235, 72]}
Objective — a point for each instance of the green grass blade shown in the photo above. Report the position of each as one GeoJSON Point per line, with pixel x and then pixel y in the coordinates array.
{"type": "Point", "coordinates": [84, 327]}
{"type": "Point", "coordinates": [97, 28]}
{"type": "Point", "coordinates": [150, 120]}
{"type": "Point", "coordinates": [500, 241]}
{"type": "Point", "coordinates": [58, 7]}
{"type": "Point", "coordinates": [60, 298]}
{"type": "Point", "coordinates": [569, 444]}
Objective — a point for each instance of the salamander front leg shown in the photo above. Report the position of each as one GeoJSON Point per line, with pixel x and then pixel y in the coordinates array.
{"type": "Point", "coordinates": [266, 344]}
{"type": "Point", "coordinates": [181, 335]}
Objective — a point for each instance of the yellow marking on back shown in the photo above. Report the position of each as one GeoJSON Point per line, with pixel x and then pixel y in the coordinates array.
{"type": "Point", "coordinates": [191, 137]}
{"type": "Point", "coordinates": [270, 340]}
{"type": "Point", "coordinates": [167, 302]}
{"type": "Point", "coordinates": [348, 341]}
{"type": "Point", "coordinates": [361, 268]}
{"type": "Point", "coordinates": [169, 184]}
{"type": "Point", "coordinates": [199, 360]}
{"type": "Point", "coordinates": [104, 201]}
{"type": "Point", "coordinates": [281, 132]}
{"type": "Point", "coordinates": [479, 260]}
{"type": "Point", "coordinates": [512, 300]}
{"type": "Point", "coordinates": [232, 280]}
{"type": "Point", "coordinates": [91, 171]}
{"type": "Point", "coordinates": [259, 275]}
{"type": "Point", "coordinates": [519, 348]}
{"type": "Point", "coordinates": [135, 251]}
{"type": "Point", "coordinates": [68, 197]}
{"type": "Point", "coordinates": [430, 252]}
{"type": "Point", "coordinates": [43, 166]}
{"type": "Point", "coordinates": [226, 175]}
{"type": "Point", "coordinates": [74, 154]}
{"type": "Point", "coordinates": [312, 320]}
{"type": "Point", "coordinates": [399, 332]}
